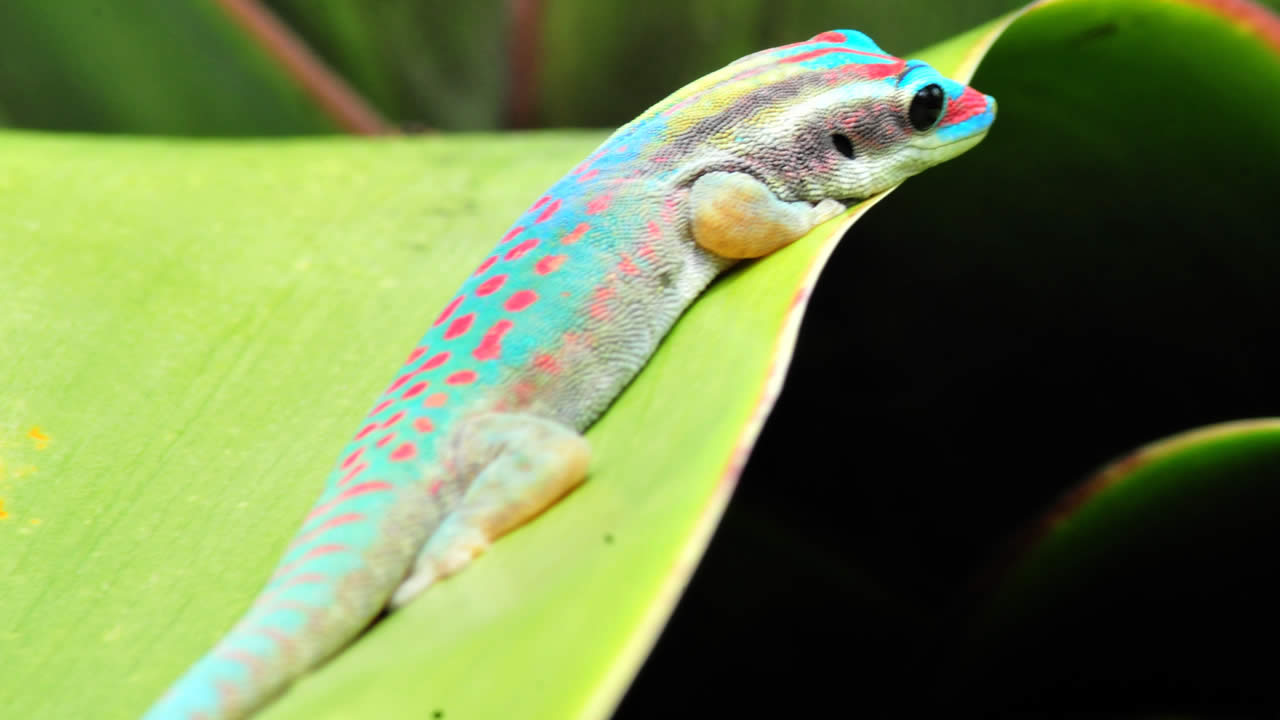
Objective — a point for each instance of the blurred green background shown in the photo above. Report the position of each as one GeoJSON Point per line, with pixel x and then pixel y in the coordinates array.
{"type": "Point", "coordinates": [195, 67]}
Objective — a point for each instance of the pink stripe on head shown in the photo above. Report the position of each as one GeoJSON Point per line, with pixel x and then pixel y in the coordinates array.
{"type": "Point", "coordinates": [801, 57]}
{"type": "Point", "coordinates": [969, 104]}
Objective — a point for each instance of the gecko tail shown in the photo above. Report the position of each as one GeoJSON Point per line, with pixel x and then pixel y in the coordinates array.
{"type": "Point", "coordinates": [336, 576]}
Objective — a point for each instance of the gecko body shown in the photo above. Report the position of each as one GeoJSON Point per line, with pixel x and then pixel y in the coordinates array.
{"type": "Point", "coordinates": [480, 429]}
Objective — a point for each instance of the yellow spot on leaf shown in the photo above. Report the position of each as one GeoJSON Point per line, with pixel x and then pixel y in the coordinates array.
{"type": "Point", "coordinates": [36, 434]}
{"type": "Point", "coordinates": [3, 514]}
{"type": "Point", "coordinates": [35, 521]}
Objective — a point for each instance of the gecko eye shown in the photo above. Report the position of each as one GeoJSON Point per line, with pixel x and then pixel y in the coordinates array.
{"type": "Point", "coordinates": [926, 107]}
{"type": "Point", "coordinates": [843, 144]}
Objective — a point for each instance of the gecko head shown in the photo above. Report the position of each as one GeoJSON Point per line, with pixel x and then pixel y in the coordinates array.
{"type": "Point", "coordinates": [837, 117]}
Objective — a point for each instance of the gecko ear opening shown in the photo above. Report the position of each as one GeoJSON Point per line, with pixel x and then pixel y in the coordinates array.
{"type": "Point", "coordinates": [843, 145]}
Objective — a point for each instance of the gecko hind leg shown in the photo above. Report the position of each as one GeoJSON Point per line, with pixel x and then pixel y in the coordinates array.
{"type": "Point", "coordinates": [534, 462]}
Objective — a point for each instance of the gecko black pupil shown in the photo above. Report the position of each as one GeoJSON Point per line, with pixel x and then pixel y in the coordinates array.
{"type": "Point", "coordinates": [926, 107]}
{"type": "Point", "coordinates": [843, 144]}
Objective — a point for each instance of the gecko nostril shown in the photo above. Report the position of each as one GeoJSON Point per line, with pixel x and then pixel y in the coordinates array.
{"type": "Point", "coordinates": [843, 144]}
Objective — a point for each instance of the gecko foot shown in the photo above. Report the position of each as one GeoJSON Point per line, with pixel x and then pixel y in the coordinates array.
{"type": "Point", "coordinates": [537, 461]}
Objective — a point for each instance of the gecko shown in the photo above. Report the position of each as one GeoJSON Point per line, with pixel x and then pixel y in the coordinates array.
{"type": "Point", "coordinates": [481, 428]}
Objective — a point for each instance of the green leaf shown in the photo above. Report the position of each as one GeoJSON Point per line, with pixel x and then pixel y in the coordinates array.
{"type": "Point", "coordinates": [1146, 582]}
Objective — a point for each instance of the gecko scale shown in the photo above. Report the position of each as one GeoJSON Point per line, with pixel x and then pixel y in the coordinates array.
{"type": "Point", "coordinates": [480, 429]}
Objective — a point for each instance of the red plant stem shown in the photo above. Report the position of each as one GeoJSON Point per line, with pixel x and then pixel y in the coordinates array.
{"type": "Point", "coordinates": [334, 96]}
{"type": "Point", "coordinates": [522, 71]}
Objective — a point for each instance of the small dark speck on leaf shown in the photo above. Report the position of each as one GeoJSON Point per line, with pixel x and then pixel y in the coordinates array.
{"type": "Point", "coordinates": [1097, 32]}
{"type": "Point", "coordinates": [608, 538]}
{"type": "Point", "coordinates": [436, 715]}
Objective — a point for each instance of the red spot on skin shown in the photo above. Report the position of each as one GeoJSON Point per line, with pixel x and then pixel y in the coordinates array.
{"type": "Point", "coordinates": [541, 201]}
{"type": "Point", "coordinates": [393, 419]}
{"type": "Point", "coordinates": [352, 458]}
{"type": "Point", "coordinates": [588, 175]}
{"type": "Point", "coordinates": [512, 233]}
{"type": "Point", "coordinates": [549, 264]}
{"type": "Point", "coordinates": [575, 235]}
{"type": "Point", "coordinates": [313, 553]}
{"type": "Point", "coordinates": [523, 392]}
{"type": "Point", "coordinates": [363, 488]}
{"type": "Point", "coordinates": [308, 579]}
{"type": "Point", "coordinates": [311, 578]}
{"type": "Point", "coordinates": [548, 212]}
{"type": "Point", "coordinates": [520, 300]}
{"type": "Point", "coordinates": [382, 442]}
{"type": "Point", "coordinates": [546, 363]}
{"type": "Point", "coordinates": [830, 36]}
{"type": "Point", "coordinates": [366, 430]}
{"type": "Point", "coordinates": [245, 658]}
{"type": "Point", "coordinates": [488, 263]}
{"type": "Point", "coordinates": [448, 311]}
{"type": "Point", "coordinates": [414, 391]}
{"type": "Point", "coordinates": [460, 326]}
{"type": "Point", "coordinates": [490, 286]}
{"type": "Point", "coordinates": [436, 361]}
{"type": "Point", "coordinates": [353, 472]}
{"type": "Point", "coordinates": [462, 377]}
{"type": "Point", "coordinates": [424, 425]}
{"type": "Point", "coordinates": [394, 387]}
{"type": "Point", "coordinates": [645, 251]}
{"type": "Point", "coordinates": [381, 406]}
{"type": "Point", "coordinates": [655, 232]}
{"type": "Point", "coordinates": [970, 103]}
{"type": "Point", "coordinates": [519, 251]}
{"type": "Point", "coordinates": [417, 353]}
{"type": "Point", "coordinates": [280, 638]}
{"type": "Point", "coordinates": [599, 308]}
{"type": "Point", "coordinates": [627, 267]}
{"type": "Point", "coordinates": [491, 345]}
{"type": "Point", "coordinates": [435, 400]}
{"type": "Point", "coordinates": [599, 204]}
{"type": "Point", "coordinates": [331, 523]}
{"type": "Point", "coordinates": [404, 452]}
{"type": "Point", "coordinates": [435, 488]}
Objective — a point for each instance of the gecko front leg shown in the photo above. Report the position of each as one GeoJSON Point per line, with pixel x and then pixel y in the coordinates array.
{"type": "Point", "coordinates": [734, 215]}
{"type": "Point", "coordinates": [526, 464]}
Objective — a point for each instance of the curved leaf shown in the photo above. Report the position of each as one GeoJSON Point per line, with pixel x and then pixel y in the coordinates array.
{"type": "Point", "coordinates": [1149, 583]}
{"type": "Point", "coordinates": [208, 318]}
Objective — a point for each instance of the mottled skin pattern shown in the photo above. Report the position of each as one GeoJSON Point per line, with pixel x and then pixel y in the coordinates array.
{"type": "Point", "coordinates": [480, 429]}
